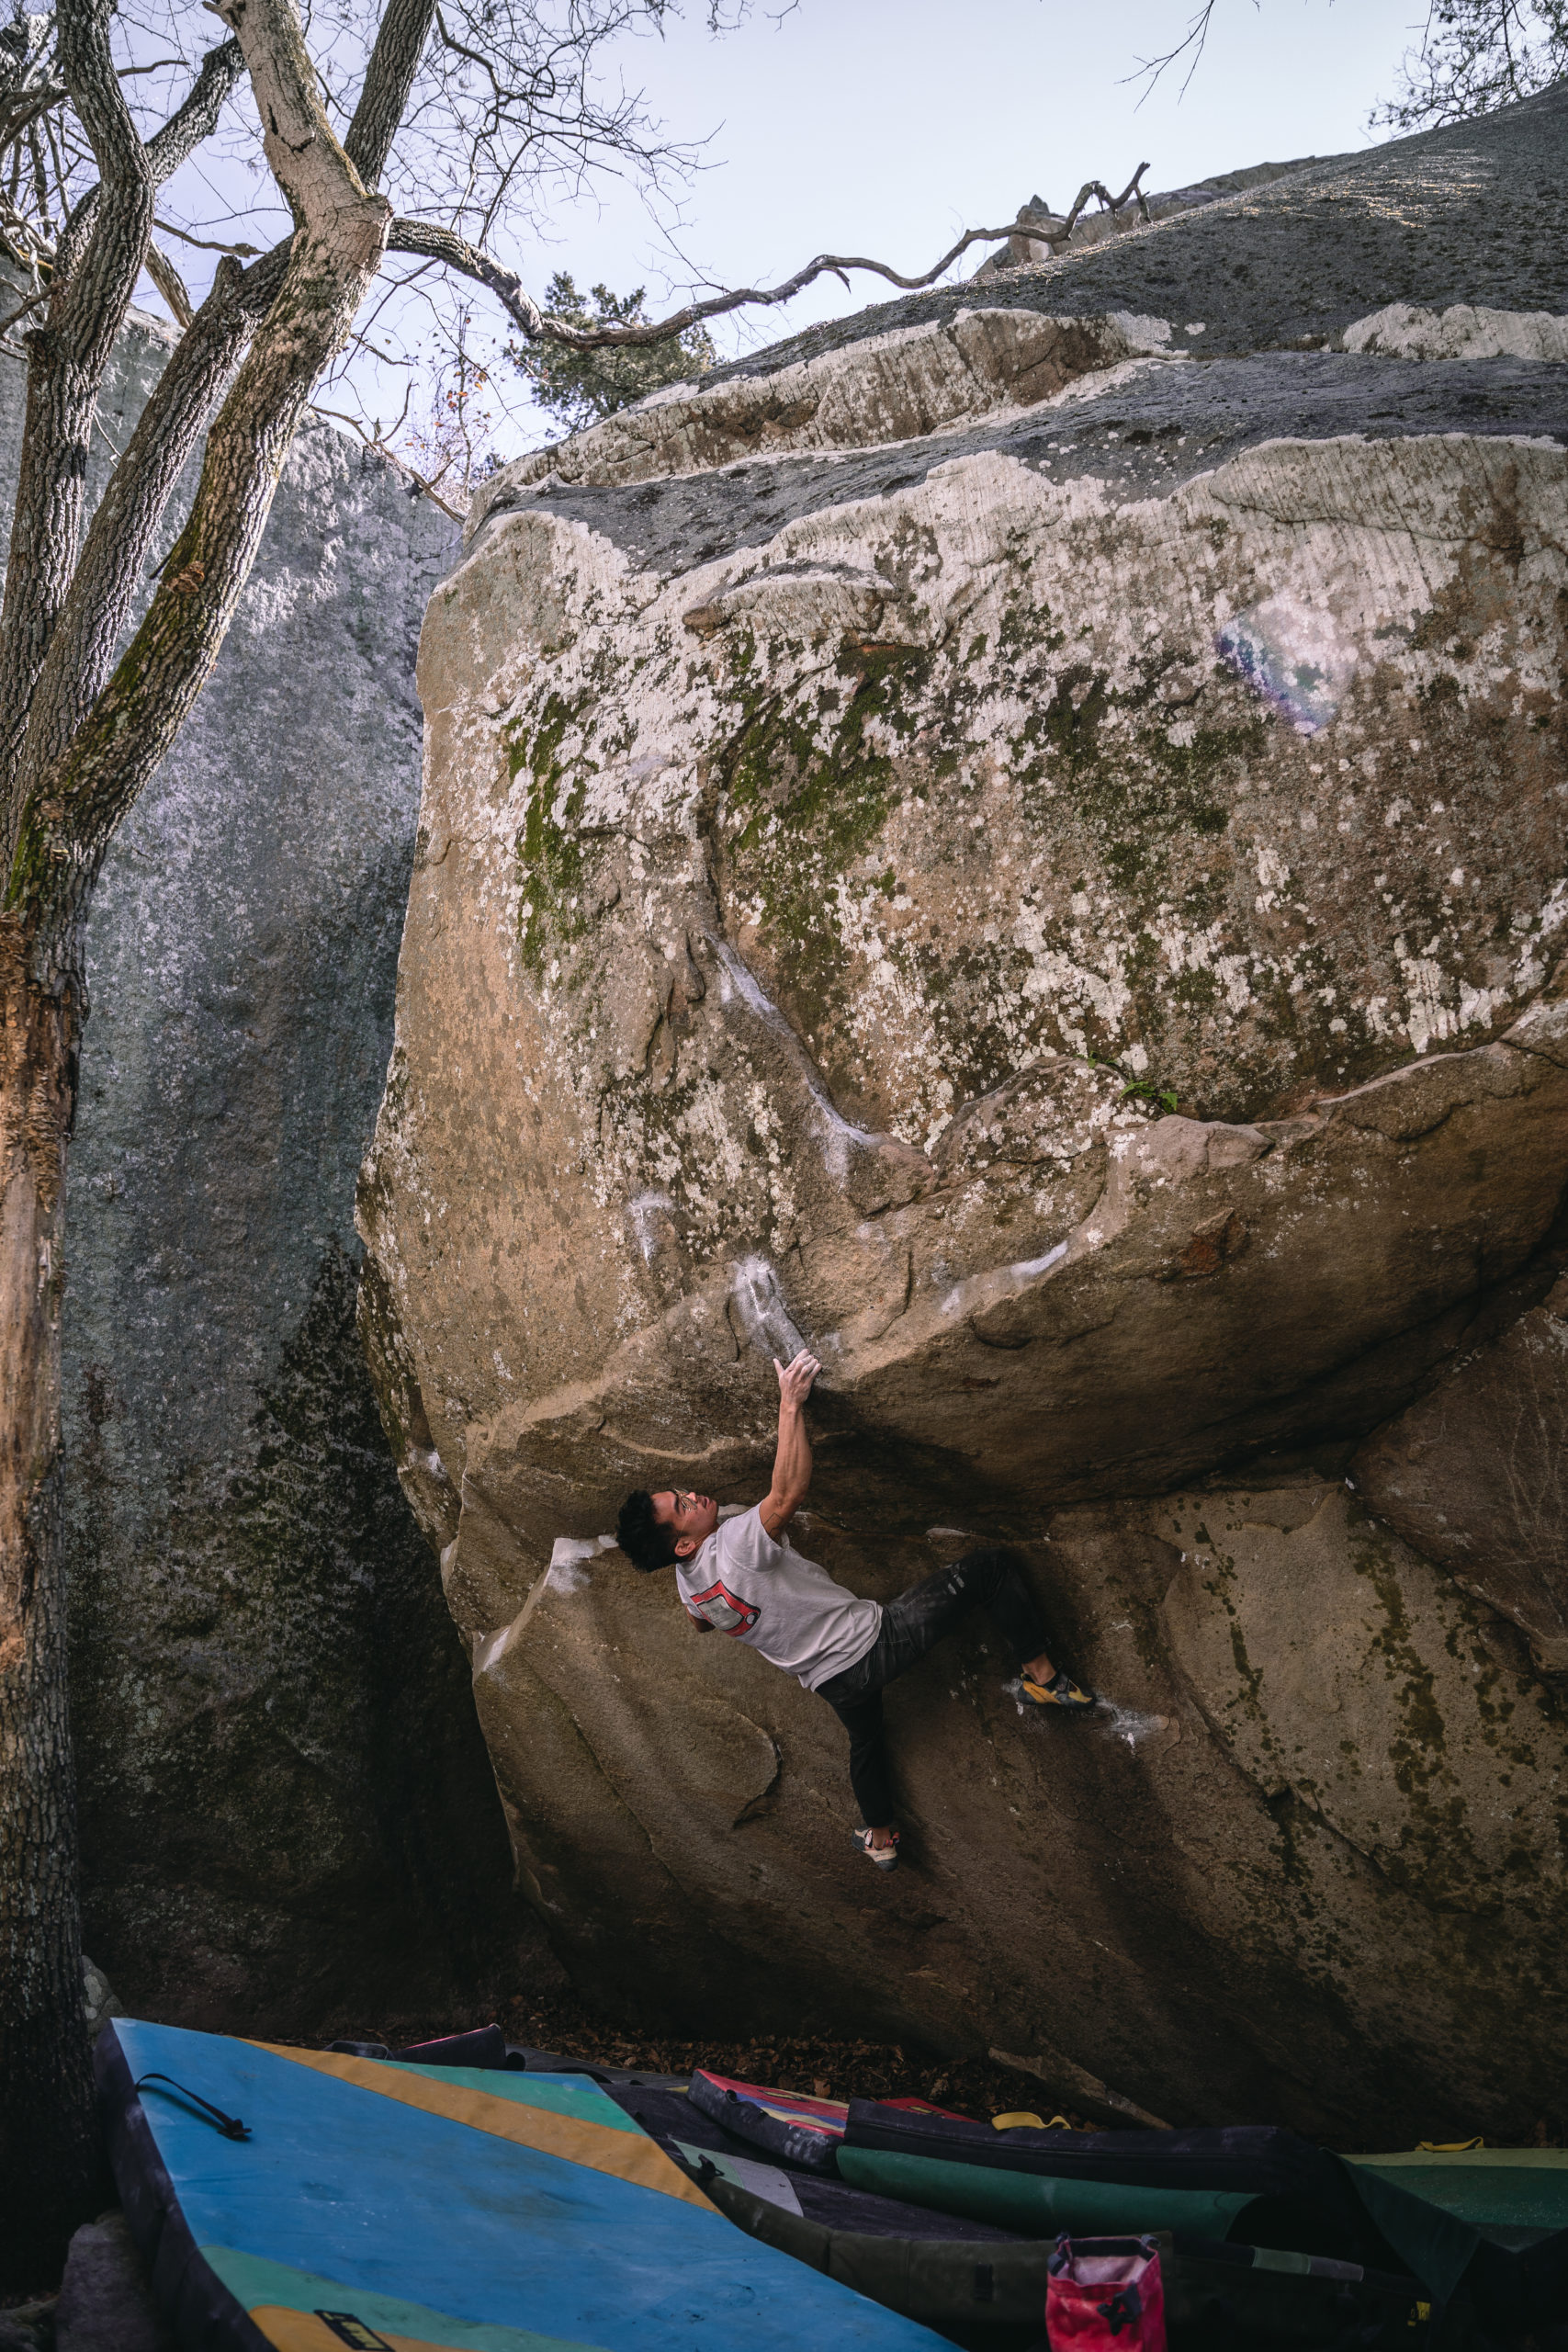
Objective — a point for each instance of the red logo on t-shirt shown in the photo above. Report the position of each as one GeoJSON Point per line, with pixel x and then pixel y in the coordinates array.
{"type": "Point", "coordinates": [723, 1611]}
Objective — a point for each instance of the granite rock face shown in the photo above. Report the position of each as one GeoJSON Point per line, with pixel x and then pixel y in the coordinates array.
{"type": "Point", "coordinates": [285, 1802]}
{"type": "Point", "coordinates": [106, 2299]}
{"type": "Point", "coordinates": [1037, 863]}
{"type": "Point", "coordinates": [1475, 1476]}
{"type": "Point", "coordinates": [1097, 224]}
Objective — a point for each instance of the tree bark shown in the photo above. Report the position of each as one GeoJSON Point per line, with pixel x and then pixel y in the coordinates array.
{"type": "Point", "coordinates": [49, 2158]}
{"type": "Point", "coordinates": [95, 275]}
{"type": "Point", "coordinates": [388, 79]}
{"type": "Point", "coordinates": [97, 264]}
{"type": "Point", "coordinates": [82, 648]}
{"type": "Point", "coordinates": [71, 814]}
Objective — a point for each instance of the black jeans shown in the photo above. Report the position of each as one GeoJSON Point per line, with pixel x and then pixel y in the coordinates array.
{"type": "Point", "coordinates": [911, 1625]}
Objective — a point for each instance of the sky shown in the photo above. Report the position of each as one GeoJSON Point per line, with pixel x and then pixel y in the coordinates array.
{"type": "Point", "coordinates": [886, 127]}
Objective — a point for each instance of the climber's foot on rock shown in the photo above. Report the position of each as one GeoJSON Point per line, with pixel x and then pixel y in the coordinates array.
{"type": "Point", "coordinates": [1061, 1691]}
{"type": "Point", "coordinates": [881, 1846]}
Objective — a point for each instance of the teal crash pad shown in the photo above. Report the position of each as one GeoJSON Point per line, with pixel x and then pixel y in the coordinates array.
{"type": "Point", "coordinates": [1040, 2204]}
{"type": "Point", "coordinates": [431, 2210]}
{"type": "Point", "coordinates": [1520, 2190]}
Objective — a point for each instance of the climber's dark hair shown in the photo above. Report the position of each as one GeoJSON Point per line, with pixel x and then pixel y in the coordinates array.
{"type": "Point", "coordinates": [646, 1543]}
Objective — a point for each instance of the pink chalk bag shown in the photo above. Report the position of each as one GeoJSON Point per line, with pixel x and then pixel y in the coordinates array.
{"type": "Point", "coordinates": [1105, 2295]}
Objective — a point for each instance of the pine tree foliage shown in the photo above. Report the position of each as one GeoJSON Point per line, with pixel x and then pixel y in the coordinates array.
{"type": "Point", "coordinates": [577, 388]}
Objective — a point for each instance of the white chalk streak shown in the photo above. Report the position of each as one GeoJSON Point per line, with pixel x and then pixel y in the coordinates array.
{"type": "Point", "coordinates": [768, 1322]}
{"type": "Point", "coordinates": [568, 1556]}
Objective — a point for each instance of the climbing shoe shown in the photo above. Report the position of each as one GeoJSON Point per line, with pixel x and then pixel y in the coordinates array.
{"type": "Point", "coordinates": [884, 1857]}
{"type": "Point", "coordinates": [1060, 1691]}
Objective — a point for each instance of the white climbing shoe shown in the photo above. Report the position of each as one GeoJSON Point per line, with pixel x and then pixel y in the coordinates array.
{"type": "Point", "coordinates": [884, 1857]}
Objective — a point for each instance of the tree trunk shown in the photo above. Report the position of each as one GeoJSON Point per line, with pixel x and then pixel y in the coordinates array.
{"type": "Point", "coordinates": [48, 2157]}
{"type": "Point", "coordinates": [80, 770]}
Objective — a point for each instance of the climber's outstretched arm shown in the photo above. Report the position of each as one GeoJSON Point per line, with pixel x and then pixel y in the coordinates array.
{"type": "Point", "coordinates": [791, 1463]}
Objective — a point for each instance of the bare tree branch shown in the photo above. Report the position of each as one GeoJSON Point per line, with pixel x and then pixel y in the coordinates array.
{"type": "Point", "coordinates": [196, 116]}
{"type": "Point", "coordinates": [383, 448]}
{"type": "Point", "coordinates": [1044, 233]}
{"type": "Point", "coordinates": [1474, 56]}
{"type": "Point", "coordinates": [388, 79]}
{"type": "Point", "coordinates": [1114, 203]}
{"type": "Point", "coordinates": [170, 285]}
{"type": "Point", "coordinates": [1196, 39]}
{"type": "Point", "coordinates": [207, 245]}
{"type": "Point", "coordinates": [444, 246]}
{"type": "Point", "coordinates": [103, 583]}
{"type": "Point", "coordinates": [25, 111]}
{"type": "Point", "coordinates": [193, 120]}
{"type": "Point", "coordinates": [125, 176]}
{"type": "Point", "coordinates": [22, 310]}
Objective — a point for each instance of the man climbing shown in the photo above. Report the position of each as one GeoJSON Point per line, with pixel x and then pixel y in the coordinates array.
{"type": "Point", "coordinates": [746, 1580]}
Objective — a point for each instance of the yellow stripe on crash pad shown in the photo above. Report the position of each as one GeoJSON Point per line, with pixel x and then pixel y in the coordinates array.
{"type": "Point", "coordinates": [625, 2156]}
{"type": "Point", "coordinates": [304, 2331]}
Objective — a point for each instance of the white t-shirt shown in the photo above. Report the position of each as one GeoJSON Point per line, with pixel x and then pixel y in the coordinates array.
{"type": "Point", "coordinates": [744, 1584]}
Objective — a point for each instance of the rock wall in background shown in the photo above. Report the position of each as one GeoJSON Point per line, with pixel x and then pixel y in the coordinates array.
{"type": "Point", "coordinates": [286, 1807]}
{"type": "Point", "coordinates": [1023, 838]}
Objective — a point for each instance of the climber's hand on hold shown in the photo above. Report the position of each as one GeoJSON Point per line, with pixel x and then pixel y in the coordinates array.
{"type": "Point", "coordinates": [795, 1378]}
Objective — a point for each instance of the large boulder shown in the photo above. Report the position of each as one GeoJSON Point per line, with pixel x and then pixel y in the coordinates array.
{"type": "Point", "coordinates": [286, 1807]}
{"type": "Point", "coordinates": [1037, 863]}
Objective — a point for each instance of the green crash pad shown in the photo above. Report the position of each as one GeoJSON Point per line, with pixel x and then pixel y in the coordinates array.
{"type": "Point", "coordinates": [1040, 2205]}
{"type": "Point", "coordinates": [1514, 2195]}
{"type": "Point", "coordinates": [967, 2287]}
{"type": "Point", "coordinates": [1435, 2212]}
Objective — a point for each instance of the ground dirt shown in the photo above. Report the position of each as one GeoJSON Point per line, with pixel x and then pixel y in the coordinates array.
{"type": "Point", "coordinates": [817, 2065]}
{"type": "Point", "coordinates": [821, 2067]}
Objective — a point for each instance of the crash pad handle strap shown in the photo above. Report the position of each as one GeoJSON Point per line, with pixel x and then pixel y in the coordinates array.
{"type": "Point", "coordinates": [230, 2125]}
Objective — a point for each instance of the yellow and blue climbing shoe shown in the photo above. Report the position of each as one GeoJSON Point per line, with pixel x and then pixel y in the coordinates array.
{"type": "Point", "coordinates": [1060, 1691]}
